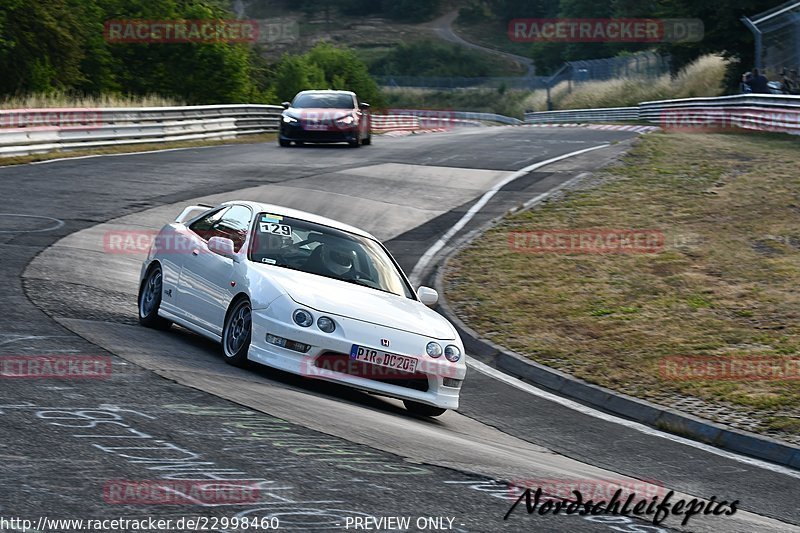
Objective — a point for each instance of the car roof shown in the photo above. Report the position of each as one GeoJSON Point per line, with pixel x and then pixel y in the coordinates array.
{"type": "Point", "coordinates": [326, 91]}
{"type": "Point", "coordinates": [259, 207]}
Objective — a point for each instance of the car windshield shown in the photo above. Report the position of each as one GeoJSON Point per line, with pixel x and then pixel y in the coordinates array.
{"type": "Point", "coordinates": [316, 249]}
{"type": "Point", "coordinates": [323, 100]}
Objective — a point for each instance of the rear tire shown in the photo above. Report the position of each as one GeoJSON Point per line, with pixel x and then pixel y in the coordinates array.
{"type": "Point", "coordinates": [284, 142]}
{"type": "Point", "coordinates": [423, 409]}
{"type": "Point", "coordinates": [149, 300]}
{"type": "Point", "coordinates": [237, 332]}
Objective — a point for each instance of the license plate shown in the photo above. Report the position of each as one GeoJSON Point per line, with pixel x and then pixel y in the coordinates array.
{"type": "Point", "coordinates": [315, 126]}
{"type": "Point", "coordinates": [378, 357]}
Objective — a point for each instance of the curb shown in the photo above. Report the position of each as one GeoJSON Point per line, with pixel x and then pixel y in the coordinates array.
{"type": "Point", "coordinates": [662, 418]}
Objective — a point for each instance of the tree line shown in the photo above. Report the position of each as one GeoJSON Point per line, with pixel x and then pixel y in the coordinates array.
{"type": "Point", "coordinates": [60, 46]}
{"type": "Point", "coordinates": [723, 30]}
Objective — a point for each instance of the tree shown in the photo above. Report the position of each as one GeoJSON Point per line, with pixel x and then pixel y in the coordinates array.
{"type": "Point", "coordinates": [342, 69]}
{"type": "Point", "coordinates": [295, 74]}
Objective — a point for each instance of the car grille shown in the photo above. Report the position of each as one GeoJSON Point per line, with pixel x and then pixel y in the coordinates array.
{"type": "Point", "coordinates": [340, 362]}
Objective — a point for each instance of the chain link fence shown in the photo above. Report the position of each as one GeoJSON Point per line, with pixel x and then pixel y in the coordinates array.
{"type": "Point", "coordinates": [777, 40]}
{"type": "Point", "coordinates": [642, 65]}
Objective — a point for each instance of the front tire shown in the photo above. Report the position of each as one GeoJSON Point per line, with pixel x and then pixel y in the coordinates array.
{"type": "Point", "coordinates": [423, 409]}
{"type": "Point", "coordinates": [367, 141]}
{"type": "Point", "coordinates": [236, 333]}
{"type": "Point", "coordinates": [149, 300]}
{"type": "Point", "coordinates": [284, 142]}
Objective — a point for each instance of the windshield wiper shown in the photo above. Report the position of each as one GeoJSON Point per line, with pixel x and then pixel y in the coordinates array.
{"type": "Point", "coordinates": [356, 281]}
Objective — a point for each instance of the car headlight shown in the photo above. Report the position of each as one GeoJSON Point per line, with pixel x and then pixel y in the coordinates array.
{"type": "Point", "coordinates": [346, 121]}
{"type": "Point", "coordinates": [287, 119]}
{"type": "Point", "coordinates": [452, 352]}
{"type": "Point", "coordinates": [326, 324]}
{"type": "Point", "coordinates": [303, 318]}
{"type": "Point", "coordinates": [434, 349]}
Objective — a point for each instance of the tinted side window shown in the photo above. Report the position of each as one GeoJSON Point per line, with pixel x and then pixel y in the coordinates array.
{"type": "Point", "coordinates": [204, 227]}
{"type": "Point", "coordinates": [234, 224]}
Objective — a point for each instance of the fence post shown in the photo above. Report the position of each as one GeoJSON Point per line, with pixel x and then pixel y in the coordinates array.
{"type": "Point", "coordinates": [757, 34]}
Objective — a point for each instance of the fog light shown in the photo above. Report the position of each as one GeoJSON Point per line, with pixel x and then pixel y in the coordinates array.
{"type": "Point", "coordinates": [326, 324]}
{"type": "Point", "coordinates": [288, 343]}
{"type": "Point", "coordinates": [452, 382]}
{"type": "Point", "coordinates": [277, 341]}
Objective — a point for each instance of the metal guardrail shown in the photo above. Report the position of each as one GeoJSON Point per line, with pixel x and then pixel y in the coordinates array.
{"type": "Point", "coordinates": [759, 112]}
{"type": "Point", "coordinates": [448, 114]}
{"type": "Point", "coordinates": [383, 123]}
{"type": "Point", "coordinates": [608, 114]}
{"type": "Point", "coordinates": [31, 131]}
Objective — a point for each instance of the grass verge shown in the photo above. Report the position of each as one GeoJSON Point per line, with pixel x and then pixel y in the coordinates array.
{"type": "Point", "coordinates": [66, 99]}
{"type": "Point", "coordinates": [133, 148]}
{"type": "Point", "coordinates": [703, 77]}
{"type": "Point", "coordinates": [723, 285]}
{"type": "Point", "coordinates": [502, 102]}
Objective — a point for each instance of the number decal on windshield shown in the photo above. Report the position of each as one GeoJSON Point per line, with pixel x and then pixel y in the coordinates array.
{"type": "Point", "coordinates": [276, 229]}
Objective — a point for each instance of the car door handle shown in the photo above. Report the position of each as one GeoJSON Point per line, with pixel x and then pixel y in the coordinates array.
{"type": "Point", "coordinates": [195, 252]}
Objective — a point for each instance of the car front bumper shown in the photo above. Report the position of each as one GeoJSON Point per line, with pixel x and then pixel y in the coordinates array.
{"type": "Point", "coordinates": [435, 382]}
{"type": "Point", "coordinates": [296, 132]}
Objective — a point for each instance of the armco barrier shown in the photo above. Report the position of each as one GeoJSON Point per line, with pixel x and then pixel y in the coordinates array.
{"type": "Point", "coordinates": [758, 112]}
{"type": "Point", "coordinates": [31, 131]}
{"type": "Point", "coordinates": [608, 114]}
{"type": "Point", "coordinates": [767, 112]}
{"type": "Point", "coordinates": [383, 123]}
{"type": "Point", "coordinates": [462, 117]}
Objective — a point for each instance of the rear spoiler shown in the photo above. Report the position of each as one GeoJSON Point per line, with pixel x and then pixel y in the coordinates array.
{"type": "Point", "coordinates": [192, 211]}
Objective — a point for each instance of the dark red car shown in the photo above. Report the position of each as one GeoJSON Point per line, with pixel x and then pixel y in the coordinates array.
{"type": "Point", "coordinates": [325, 117]}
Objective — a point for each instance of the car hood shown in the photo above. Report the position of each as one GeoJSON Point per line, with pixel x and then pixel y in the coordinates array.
{"type": "Point", "coordinates": [334, 297]}
{"type": "Point", "coordinates": [319, 113]}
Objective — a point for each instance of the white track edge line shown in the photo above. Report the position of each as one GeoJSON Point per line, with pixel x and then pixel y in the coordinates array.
{"type": "Point", "coordinates": [423, 261]}
{"type": "Point", "coordinates": [583, 409]}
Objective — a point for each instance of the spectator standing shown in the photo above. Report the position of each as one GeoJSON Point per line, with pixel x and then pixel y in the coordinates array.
{"type": "Point", "coordinates": [758, 83]}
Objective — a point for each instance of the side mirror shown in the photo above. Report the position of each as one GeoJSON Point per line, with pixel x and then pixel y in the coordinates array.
{"type": "Point", "coordinates": [428, 296]}
{"type": "Point", "coordinates": [222, 246]}
{"type": "Point", "coordinates": [363, 105]}
{"type": "Point", "coordinates": [286, 105]}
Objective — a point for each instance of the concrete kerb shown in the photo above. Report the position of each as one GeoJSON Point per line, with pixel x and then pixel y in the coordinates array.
{"type": "Point", "coordinates": [607, 400]}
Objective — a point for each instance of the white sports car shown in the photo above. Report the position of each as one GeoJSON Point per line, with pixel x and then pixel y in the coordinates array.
{"type": "Point", "coordinates": [304, 294]}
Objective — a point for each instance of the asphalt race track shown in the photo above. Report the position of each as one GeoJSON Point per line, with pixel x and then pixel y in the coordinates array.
{"type": "Point", "coordinates": [320, 454]}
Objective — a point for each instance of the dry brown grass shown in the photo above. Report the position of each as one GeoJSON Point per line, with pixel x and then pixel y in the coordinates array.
{"type": "Point", "coordinates": [61, 99]}
{"type": "Point", "coordinates": [724, 284]}
{"type": "Point", "coordinates": [703, 77]}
